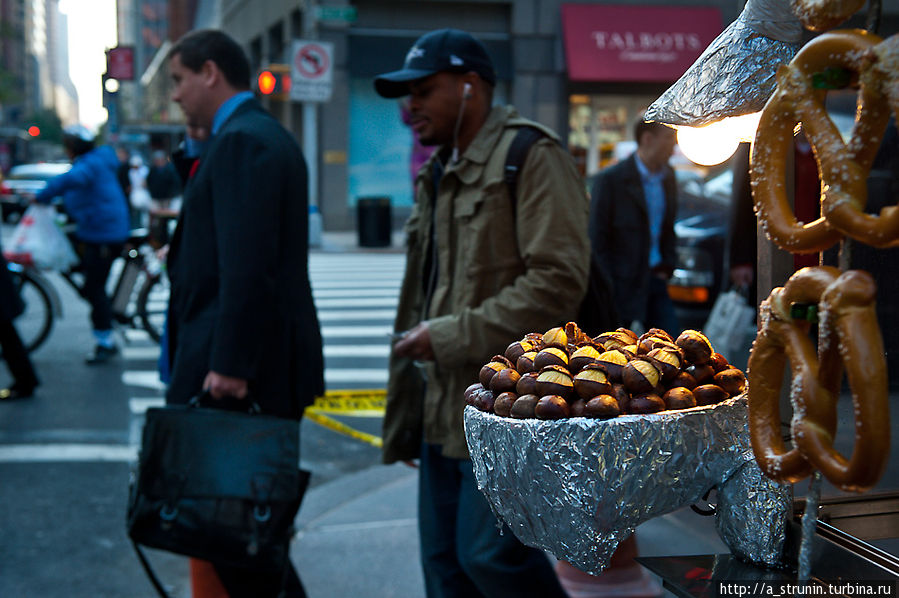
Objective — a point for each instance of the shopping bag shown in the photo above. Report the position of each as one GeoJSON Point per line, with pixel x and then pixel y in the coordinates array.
{"type": "Point", "coordinates": [38, 241]}
{"type": "Point", "coordinates": [729, 324]}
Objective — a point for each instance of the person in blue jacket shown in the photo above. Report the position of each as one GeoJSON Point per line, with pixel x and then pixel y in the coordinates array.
{"type": "Point", "coordinates": [94, 200]}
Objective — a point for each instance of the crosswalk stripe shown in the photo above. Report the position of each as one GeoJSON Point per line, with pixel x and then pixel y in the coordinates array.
{"type": "Point", "coordinates": [139, 406]}
{"type": "Point", "coordinates": [334, 351]}
{"type": "Point", "coordinates": [134, 335]}
{"type": "Point", "coordinates": [142, 379]}
{"type": "Point", "coordinates": [43, 453]}
{"type": "Point", "coordinates": [354, 284]}
{"type": "Point", "coordinates": [141, 353]}
{"type": "Point", "coordinates": [356, 314]}
{"type": "Point", "coordinates": [356, 331]}
{"type": "Point", "coordinates": [334, 377]}
{"type": "Point", "coordinates": [357, 302]}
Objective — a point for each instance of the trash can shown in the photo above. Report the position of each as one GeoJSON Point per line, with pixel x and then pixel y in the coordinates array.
{"type": "Point", "coordinates": [373, 221]}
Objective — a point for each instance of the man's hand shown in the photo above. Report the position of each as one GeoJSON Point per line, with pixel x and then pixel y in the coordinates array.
{"type": "Point", "coordinates": [220, 386]}
{"type": "Point", "coordinates": [416, 343]}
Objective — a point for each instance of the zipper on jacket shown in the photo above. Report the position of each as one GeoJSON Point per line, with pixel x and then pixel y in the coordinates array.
{"type": "Point", "coordinates": [437, 170]}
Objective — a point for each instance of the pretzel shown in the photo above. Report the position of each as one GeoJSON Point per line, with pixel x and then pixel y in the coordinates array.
{"type": "Point", "coordinates": [818, 15]}
{"type": "Point", "coordinates": [843, 169]}
{"type": "Point", "coordinates": [848, 336]}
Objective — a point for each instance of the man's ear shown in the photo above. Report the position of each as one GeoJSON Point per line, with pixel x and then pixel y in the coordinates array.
{"type": "Point", "coordinates": [210, 73]}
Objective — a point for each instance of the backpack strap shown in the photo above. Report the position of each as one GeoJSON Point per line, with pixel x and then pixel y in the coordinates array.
{"type": "Point", "coordinates": [518, 152]}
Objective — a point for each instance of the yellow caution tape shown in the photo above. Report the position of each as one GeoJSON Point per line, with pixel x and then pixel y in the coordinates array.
{"type": "Point", "coordinates": [332, 424]}
{"type": "Point", "coordinates": [352, 403]}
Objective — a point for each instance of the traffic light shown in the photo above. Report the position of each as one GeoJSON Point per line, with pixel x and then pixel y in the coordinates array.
{"type": "Point", "coordinates": [110, 89]}
{"type": "Point", "coordinates": [34, 131]}
{"type": "Point", "coordinates": [274, 82]}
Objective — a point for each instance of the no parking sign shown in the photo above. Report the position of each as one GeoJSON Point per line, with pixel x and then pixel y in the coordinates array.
{"type": "Point", "coordinates": [311, 71]}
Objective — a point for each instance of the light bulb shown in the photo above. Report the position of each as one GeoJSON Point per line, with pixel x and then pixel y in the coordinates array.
{"type": "Point", "coordinates": [716, 142]}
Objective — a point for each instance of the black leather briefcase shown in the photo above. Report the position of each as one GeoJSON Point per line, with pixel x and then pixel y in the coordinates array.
{"type": "Point", "coordinates": [218, 485]}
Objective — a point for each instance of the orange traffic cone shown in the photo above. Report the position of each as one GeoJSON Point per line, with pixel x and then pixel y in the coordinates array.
{"type": "Point", "coordinates": [623, 578]}
{"type": "Point", "coordinates": [204, 583]}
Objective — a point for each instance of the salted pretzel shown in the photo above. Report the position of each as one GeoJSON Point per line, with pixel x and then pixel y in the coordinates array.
{"type": "Point", "coordinates": [848, 337]}
{"type": "Point", "coordinates": [843, 169]}
{"type": "Point", "coordinates": [819, 15]}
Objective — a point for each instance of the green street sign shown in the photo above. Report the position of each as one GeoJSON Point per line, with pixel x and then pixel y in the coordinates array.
{"type": "Point", "coordinates": [343, 14]}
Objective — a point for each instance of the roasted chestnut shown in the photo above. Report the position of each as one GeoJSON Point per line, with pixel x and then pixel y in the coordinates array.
{"type": "Point", "coordinates": [555, 337]}
{"type": "Point", "coordinates": [582, 356]}
{"type": "Point", "coordinates": [684, 379]}
{"type": "Point", "coordinates": [484, 400]}
{"type": "Point", "coordinates": [640, 376]}
{"type": "Point", "coordinates": [550, 356]}
{"type": "Point", "coordinates": [645, 403]}
{"type": "Point", "coordinates": [718, 362]}
{"type": "Point", "coordinates": [709, 394]}
{"type": "Point", "coordinates": [552, 407]}
{"type": "Point", "coordinates": [591, 381]}
{"type": "Point", "coordinates": [612, 361]}
{"type": "Point", "coordinates": [602, 407]}
{"type": "Point", "coordinates": [619, 392]}
{"type": "Point", "coordinates": [697, 348]}
{"type": "Point", "coordinates": [504, 380]}
{"type": "Point", "coordinates": [502, 406]}
{"type": "Point", "coordinates": [678, 398]}
{"type": "Point", "coordinates": [496, 363]}
{"type": "Point", "coordinates": [554, 380]}
{"type": "Point", "coordinates": [517, 349]}
{"type": "Point", "coordinates": [470, 392]}
{"type": "Point", "coordinates": [667, 361]}
{"type": "Point", "coordinates": [701, 373]}
{"type": "Point", "coordinates": [525, 363]}
{"type": "Point", "coordinates": [732, 380]}
{"type": "Point", "coordinates": [523, 407]}
{"type": "Point", "coordinates": [577, 407]}
{"type": "Point", "coordinates": [527, 384]}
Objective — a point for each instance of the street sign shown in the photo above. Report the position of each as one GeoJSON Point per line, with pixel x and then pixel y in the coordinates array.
{"type": "Point", "coordinates": [311, 71]}
{"type": "Point", "coordinates": [341, 14]}
{"type": "Point", "coordinates": [120, 63]}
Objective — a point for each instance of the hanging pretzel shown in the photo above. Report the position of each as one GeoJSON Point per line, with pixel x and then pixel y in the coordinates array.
{"type": "Point", "coordinates": [848, 336]}
{"type": "Point", "coordinates": [818, 15]}
{"type": "Point", "coordinates": [843, 168]}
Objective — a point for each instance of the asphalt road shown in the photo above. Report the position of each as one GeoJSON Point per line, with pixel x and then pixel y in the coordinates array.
{"type": "Point", "coordinates": [66, 454]}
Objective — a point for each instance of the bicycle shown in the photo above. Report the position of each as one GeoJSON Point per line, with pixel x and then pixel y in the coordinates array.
{"type": "Point", "coordinates": [138, 271]}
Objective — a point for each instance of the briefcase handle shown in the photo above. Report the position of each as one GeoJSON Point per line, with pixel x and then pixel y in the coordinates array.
{"type": "Point", "coordinates": [246, 405]}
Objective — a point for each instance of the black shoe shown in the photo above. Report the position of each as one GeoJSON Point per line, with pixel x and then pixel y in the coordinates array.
{"type": "Point", "coordinates": [101, 354]}
{"type": "Point", "coordinates": [16, 392]}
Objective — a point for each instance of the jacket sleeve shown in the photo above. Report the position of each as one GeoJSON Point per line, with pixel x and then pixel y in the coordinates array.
{"type": "Point", "coordinates": [76, 177]}
{"type": "Point", "coordinates": [551, 234]}
{"type": "Point", "coordinates": [245, 218]}
{"type": "Point", "coordinates": [668, 244]}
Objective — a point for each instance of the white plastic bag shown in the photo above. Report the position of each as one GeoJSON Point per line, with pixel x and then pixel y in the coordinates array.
{"type": "Point", "coordinates": [729, 326]}
{"type": "Point", "coordinates": [38, 241]}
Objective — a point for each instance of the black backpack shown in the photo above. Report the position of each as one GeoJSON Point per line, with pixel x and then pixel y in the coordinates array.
{"type": "Point", "coordinates": [597, 313]}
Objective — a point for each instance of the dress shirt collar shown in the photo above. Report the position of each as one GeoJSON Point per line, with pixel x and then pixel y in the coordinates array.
{"type": "Point", "coordinates": [227, 109]}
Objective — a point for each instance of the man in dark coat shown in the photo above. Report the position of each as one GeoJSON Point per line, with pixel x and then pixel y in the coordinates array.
{"type": "Point", "coordinates": [242, 320]}
{"type": "Point", "coordinates": [632, 213]}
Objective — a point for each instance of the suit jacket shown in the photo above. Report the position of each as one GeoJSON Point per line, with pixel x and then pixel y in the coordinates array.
{"type": "Point", "coordinates": [241, 303]}
{"type": "Point", "coordinates": [620, 237]}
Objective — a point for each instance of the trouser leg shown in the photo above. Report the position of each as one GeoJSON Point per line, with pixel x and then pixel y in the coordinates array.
{"type": "Point", "coordinates": [660, 311]}
{"type": "Point", "coordinates": [498, 563]}
{"type": "Point", "coordinates": [96, 263]}
{"type": "Point", "coordinates": [16, 356]}
{"type": "Point", "coordinates": [438, 504]}
{"type": "Point", "coordinates": [250, 583]}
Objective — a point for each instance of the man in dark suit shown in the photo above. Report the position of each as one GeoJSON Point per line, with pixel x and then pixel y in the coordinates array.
{"type": "Point", "coordinates": [632, 213]}
{"type": "Point", "coordinates": [242, 320]}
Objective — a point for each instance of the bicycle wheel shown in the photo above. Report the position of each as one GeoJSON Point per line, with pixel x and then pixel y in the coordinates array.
{"type": "Point", "coordinates": [153, 304]}
{"type": "Point", "coordinates": [36, 322]}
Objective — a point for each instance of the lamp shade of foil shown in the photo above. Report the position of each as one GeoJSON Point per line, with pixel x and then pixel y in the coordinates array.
{"type": "Point", "coordinates": [735, 74]}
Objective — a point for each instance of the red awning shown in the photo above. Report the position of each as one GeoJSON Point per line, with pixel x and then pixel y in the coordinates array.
{"type": "Point", "coordinates": [635, 43]}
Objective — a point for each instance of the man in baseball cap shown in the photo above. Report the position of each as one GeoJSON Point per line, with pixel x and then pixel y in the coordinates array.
{"type": "Point", "coordinates": [483, 267]}
{"type": "Point", "coordinates": [444, 50]}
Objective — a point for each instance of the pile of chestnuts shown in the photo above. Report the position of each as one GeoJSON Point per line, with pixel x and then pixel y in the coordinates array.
{"type": "Point", "coordinates": [565, 373]}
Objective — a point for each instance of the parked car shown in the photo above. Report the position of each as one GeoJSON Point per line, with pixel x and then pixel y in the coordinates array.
{"type": "Point", "coordinates": [24, 181]}
{"type": "Point", "coordinates": [701, 226]}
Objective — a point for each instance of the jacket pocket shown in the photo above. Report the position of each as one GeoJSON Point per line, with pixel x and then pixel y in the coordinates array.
{"type": "Point", "coordinates": [486, 231]}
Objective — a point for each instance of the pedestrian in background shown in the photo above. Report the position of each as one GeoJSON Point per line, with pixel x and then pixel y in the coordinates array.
{"type": "Point", "coordinates": [162, 181]}
{"type": "Point", "coordinates": [483, 269]}
{"type": "Point", "coordinates": [24, 378]}
{"type": "Point", "coordinates": [632, 213]}
{"type": "Point", "coordinates": [139, 196]}
{"type": "Point", "coordinates": [242, 323]}
{"type": "Point", "coordinates": [94, 199]}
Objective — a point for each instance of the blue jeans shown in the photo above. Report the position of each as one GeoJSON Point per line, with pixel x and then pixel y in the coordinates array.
{"type": "Point", "coordinates": [462, 551]}
{"type": "Point", "coordinates": [660, 309]}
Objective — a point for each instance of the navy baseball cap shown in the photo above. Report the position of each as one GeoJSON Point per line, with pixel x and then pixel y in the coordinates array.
{"type": "Point", "coordinates": [438, 51]}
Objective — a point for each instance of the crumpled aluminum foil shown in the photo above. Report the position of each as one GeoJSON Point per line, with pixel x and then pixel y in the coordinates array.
{"type": "Point", "coordinates": [579, 486]}
{"type": "Point", "coordinates": [735, 74]}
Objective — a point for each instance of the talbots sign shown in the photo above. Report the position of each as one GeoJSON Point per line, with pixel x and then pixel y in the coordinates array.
{"type": "Point", "coordinates": [635, 43]}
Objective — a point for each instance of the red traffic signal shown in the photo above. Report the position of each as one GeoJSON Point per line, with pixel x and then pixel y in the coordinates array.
{"type": "Point", "coordinates": [274, 81]}
{"type": "Point", "coordinates": [34, 130]}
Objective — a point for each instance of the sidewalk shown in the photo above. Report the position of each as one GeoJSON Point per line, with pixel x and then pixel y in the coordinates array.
{"type": "Point", "coordinates": [358, 536]}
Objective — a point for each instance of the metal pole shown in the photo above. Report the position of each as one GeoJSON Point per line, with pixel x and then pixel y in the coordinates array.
{"type": "Point", "coordinates": [310, 139]}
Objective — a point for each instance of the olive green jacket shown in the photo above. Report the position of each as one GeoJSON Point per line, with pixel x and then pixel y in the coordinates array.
{"type": "Point", "coordinates": [503, 270]}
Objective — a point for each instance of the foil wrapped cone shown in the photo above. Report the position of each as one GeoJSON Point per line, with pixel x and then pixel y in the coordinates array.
{"type": "Point", "coordinates": [579, 486]}
{"type": "Point", "coordinates": [735, 74]}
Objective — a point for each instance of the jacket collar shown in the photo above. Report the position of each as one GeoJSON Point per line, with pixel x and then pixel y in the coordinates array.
{"type": "Point", "coordinates": [470, 164]}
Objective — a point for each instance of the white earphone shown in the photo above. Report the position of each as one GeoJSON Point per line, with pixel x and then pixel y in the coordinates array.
{"type": "Point", "coordinates": [466, 91]}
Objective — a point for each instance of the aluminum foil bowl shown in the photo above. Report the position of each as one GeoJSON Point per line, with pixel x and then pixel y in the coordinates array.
{"type": "Point", "coordinates": [579, 486]}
